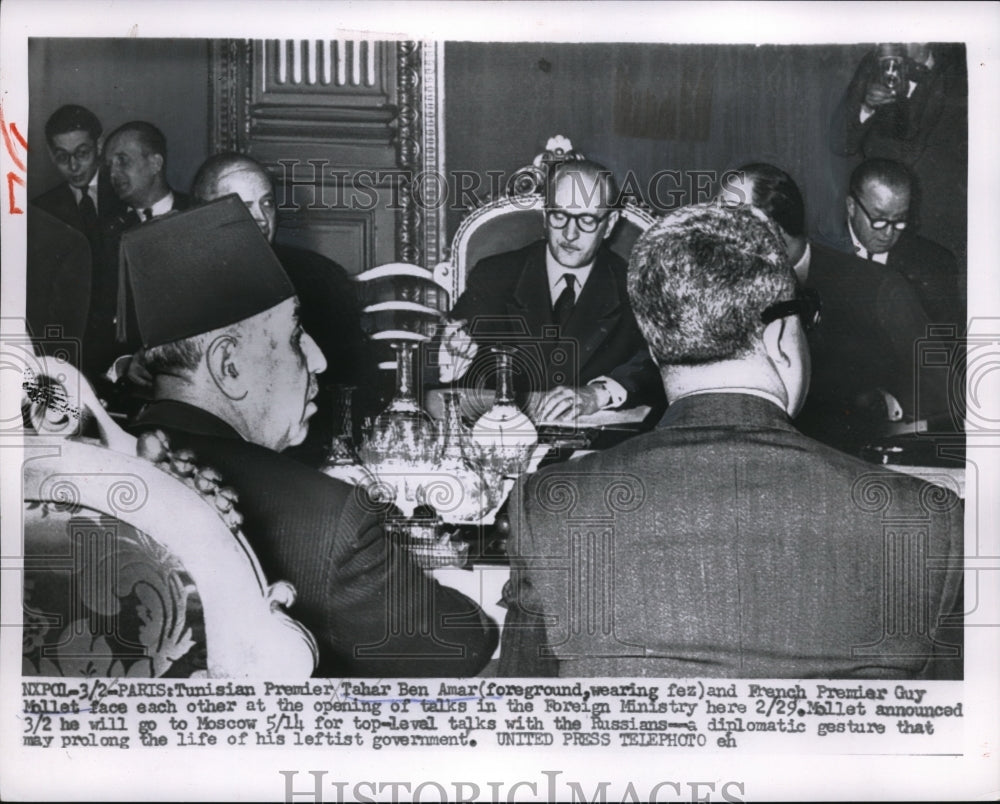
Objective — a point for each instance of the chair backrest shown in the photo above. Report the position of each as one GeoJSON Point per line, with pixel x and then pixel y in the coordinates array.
{"type": "Point", "coordinates": [135, 564]}
{"type": "Point", "coordinates": [517, 219]}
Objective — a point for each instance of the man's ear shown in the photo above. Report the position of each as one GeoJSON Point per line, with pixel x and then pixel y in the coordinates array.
{"type": "Point", "coordinates": [777, 342]}
{"type": "Point", "coordinates": [850, 207]}
{"type": "Point", "coordinates": [158, 160]}
{"type": "Point", "coordinates": [221, 358]}
{"type": "Point", "coordinates": [612, 220]}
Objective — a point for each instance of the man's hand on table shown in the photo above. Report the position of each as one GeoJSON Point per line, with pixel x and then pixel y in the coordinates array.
{"type": "Point", "coordinates": [565, 404]}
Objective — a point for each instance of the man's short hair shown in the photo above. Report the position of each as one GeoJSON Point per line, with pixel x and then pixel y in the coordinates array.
{"type": "Point", "coordinates": [149, 136]}
{"type": "Point", "coordinates": [700, 278]}
{"type": "Point", "coordinates": [885, 171]}
{"type": "Point", "coordinates": [176, 357]}
{"type": "Point", "coordinates": [583, 192]}
{"type": "Point", "coordinates": [206, 180]}
{"type": "Point", "coordinates": [72, 118]}
{"type": "Point", "coordinates": [777, 194]}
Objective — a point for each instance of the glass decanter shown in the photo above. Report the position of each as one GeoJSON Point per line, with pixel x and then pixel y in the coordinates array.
{"type": "Point", "coordinates": [458, 491]}
{"type": "Point", "coordinates": [504, 435]}
{"type": "Point", "coordinates": [403, 431]}
{"type": "Point", "coordinates": [402, 447]}
{"type": "Point", "coordinates": [343, 461]}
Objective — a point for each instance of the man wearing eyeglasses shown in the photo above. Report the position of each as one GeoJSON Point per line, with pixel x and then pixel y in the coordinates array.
{"type": "Point", "coordinates": [84, 199]}
{"type": "Point", "coordinates": [879, 225]}
{"type": "Point", "coordinates": [735, 546]}
{"type": "Point", "coordinates": [570, 284]}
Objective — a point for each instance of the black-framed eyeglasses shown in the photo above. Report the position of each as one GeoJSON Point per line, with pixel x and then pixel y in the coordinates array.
{"type": "Point", "coordinates": [558, 219]}
{"type": "Point", "coordinates": [879, 223]}
{"type": "Point", "coordinates": [806, 305]}
{"type": "Point", "coordinates": [81, 154]}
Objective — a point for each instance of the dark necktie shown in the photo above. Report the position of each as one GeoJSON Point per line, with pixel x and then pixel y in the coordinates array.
{"type": "Point", "coordinates": [147, 214]}
{"type": "Point", "coordinates": [563, 307]}
{"type": "Point", "coordinates": [88, 212]}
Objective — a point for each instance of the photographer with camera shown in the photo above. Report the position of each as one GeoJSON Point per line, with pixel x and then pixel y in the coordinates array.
{"type": "Point", "coordinates": [909, 103]}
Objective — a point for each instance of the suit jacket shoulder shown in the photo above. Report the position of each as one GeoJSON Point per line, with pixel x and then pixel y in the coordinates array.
{"type": "Point", "coordinates": [316, 532]}
{"type": "Point", "coordinates": [718, 565]}
{"type": "Point", "coordinates": [60, 202]}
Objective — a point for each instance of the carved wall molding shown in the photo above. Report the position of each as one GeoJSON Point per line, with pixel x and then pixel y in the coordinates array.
{"type": "Point", "coordinates": [409, 248]}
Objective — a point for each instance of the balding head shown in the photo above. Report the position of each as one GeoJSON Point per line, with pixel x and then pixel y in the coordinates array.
{"type": "Point", "coordinates": [878, 206]}
{"type": "Point", "coordinates": [581, 211]}
{"type": "Point", "coordinates": [228, 173]}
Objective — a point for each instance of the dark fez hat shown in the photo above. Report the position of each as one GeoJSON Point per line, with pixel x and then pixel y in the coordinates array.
{"type": "Point", "coordinates": [196, 271]}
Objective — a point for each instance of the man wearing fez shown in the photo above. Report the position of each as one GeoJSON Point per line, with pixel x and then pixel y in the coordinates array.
{"type": "Point", "coordinates": [731, 545]}
{"type": "Point", "coordinates": [234, 375]}
{"type": "Point", "coordinates": [329, 311]}
{"type": "Point", "coordinates": [570, 283]}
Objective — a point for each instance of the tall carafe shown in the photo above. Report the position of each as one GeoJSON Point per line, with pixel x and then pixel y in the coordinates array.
{"type": "Point", "coordinates": [343, 461]}
{"type": "Point", "coordinates": [403, 431]}
{"type": "Point", "coordinates": [459, 490]}
{"type": "Point", "coordinates": [504, 434]}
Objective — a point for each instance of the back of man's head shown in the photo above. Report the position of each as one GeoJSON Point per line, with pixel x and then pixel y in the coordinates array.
{"type": "Point", "coordinates": [700, 278]}
{"type": "Point", "coordinates": [72, 118]}
{"type": "Point", "coordinates": [777, 194]}
{"type": "Point", "coordinates": [206, 180]}
{"type": "Point", "coordinates": [887, 172]}
{"type": "Point", "coordinates": [149, 137]}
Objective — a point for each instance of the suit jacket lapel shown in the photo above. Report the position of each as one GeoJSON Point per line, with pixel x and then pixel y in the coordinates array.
{"type": "Point", "coordinates": [530, 300]}
{"type": "Point", "coordinates": [597, 311]}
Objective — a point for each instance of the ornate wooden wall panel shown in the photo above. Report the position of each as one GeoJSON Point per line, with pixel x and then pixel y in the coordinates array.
{"type": "Point", "coordinates": [343, 126]}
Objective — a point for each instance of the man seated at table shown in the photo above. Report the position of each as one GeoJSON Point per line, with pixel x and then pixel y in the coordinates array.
{"type": "Point", "coordinates": [234, 375]}
{"type": "Point", "coordinates": [562, 303]}
{"type": "Point", "coordinates": [729, 544]}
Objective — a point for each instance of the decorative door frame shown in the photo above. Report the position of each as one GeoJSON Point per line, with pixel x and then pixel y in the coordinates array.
{"type": "Point", "coordinates": [418, 139]}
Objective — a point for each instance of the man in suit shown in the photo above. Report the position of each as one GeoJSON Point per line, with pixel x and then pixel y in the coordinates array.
{"type": "Point", "coordinates": [136, 155]}
{"type": "Point", "coordinates": [909, 103]}
{"type": "Point", "coordinates": [85, 199]}
{"type": "Point", "coordinates": [725, 543]}
{"type": "Point", "coordinates": [136, 158]}
{"type": "Point", "coordinates": [565, 295]}
{"type": "Point", "coordinates": [86, 202]}
{"type": "Point", "coordinates": [234, 376]}
{"type": "Point", "coordinates": [872, 319]}
{"type": "Point", "coordinates": [879, 213]}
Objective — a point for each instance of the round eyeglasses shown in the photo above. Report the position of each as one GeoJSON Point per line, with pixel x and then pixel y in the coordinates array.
{"type": "Point", "coordinates": [558, 219]}
{"type": "Point", "coordinates": [879, 223]}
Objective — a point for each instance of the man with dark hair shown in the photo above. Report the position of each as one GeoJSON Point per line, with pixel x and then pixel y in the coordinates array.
{"type": "Point", "coordinates": [570, 283]}
{"type": "Point", "coordinates": [136, 155]}
{"type": "Point", "coordinates": [730, 545]}
{"type": "Point", "coordinates": [84, 199]}
{"type": "Point", "coordinates": [234, 376]}
{"type": "Point", "coordinates": [774, 191]}
{"type": "Point", "coordinates": [879, 227]}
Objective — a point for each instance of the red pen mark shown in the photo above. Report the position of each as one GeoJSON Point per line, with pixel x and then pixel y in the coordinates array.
{"type": "Point", "coordinates": [12, 177]}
